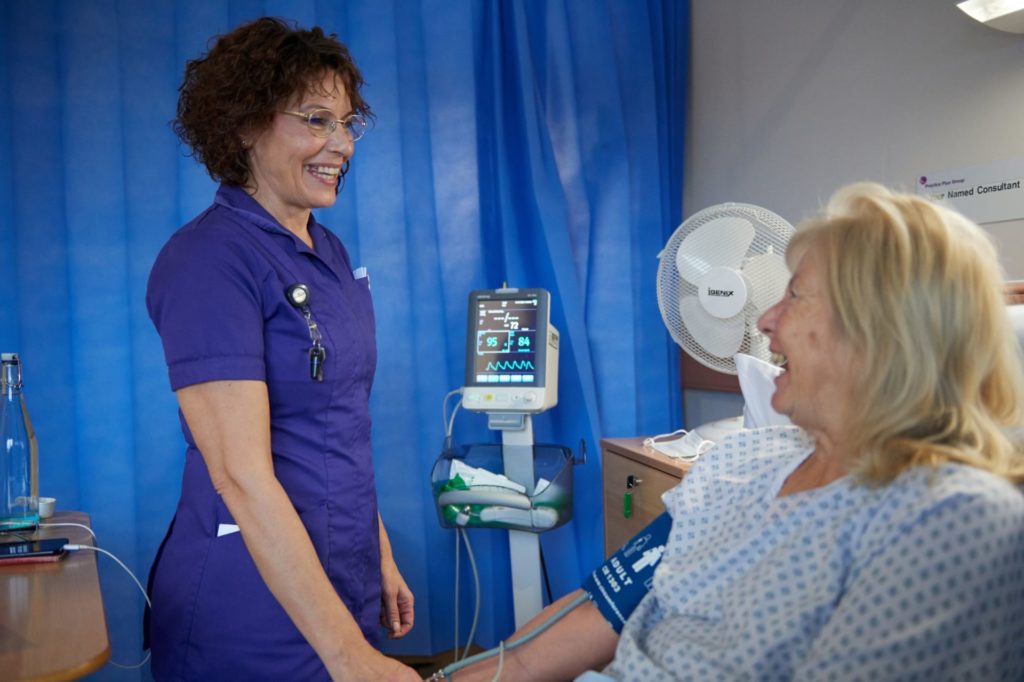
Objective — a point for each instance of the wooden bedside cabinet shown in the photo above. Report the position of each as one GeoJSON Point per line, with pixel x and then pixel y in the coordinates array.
{"type": "Point", "coordinates": [653, 473]}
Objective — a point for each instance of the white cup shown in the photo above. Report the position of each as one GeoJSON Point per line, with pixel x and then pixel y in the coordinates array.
{"type": "Point", "coordinates": [46, 505]}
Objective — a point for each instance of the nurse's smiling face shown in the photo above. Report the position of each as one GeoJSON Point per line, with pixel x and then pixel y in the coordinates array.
{"type": "Point", "coordinates": [293, 170]}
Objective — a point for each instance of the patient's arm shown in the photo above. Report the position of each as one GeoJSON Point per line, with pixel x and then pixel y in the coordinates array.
{"type": "Point", "coordinates": [583, 640]}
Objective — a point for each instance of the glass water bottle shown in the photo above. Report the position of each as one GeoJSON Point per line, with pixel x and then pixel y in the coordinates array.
{"type": "Point", "coordinates": [19, 499]}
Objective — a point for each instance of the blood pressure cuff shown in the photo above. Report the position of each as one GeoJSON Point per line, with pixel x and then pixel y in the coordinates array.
{"type": "Point", "coordinates": [618, 585]}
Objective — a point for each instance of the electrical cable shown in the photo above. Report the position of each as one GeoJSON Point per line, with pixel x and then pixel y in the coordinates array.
{"type": "Point", "coordinates": [456, 659]}
{"type": "Point", "coordinates": [74, 547]}
{"type": "Point", "coordinates": [501, 661]}
{"type": "Point", "coordinates": [476, 592]}
{"type": "Point", "coordinates": [447, 671]}
{"type": "Point", "coordinates": [544, 571]}
{"type": "Point", "coordinates": [444, 412]}
{"type": "Point", "coordinates": [76, 525]}
{"type": "Point", "coordinates": [451, 422]}
{"type": "Point", "coordinates": [138, 665]}
{"type": "Point", "coordinates": [448, 426]}
{"type": "Point", "coordinates": [18, 534]}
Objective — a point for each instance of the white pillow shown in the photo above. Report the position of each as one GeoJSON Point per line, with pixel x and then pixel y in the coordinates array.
{"type": "Point", "coordinates": [1016, 313]}
{"type": "Point", "coordinates": [757, 381]}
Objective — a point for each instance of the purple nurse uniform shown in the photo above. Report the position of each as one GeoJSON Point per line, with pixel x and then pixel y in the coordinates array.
{"type": "Point", "coordinates": [217, 297]}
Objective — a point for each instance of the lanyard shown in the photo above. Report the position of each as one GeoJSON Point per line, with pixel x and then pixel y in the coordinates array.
{"type": "Point", "coordinates": [298, 296]}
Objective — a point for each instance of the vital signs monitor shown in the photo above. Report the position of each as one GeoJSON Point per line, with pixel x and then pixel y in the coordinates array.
{"type": "Point", "coordinates": [512, 352]}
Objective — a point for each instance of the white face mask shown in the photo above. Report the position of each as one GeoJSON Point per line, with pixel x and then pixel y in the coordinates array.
{"type": "Point", "coordinates": [681, 444]}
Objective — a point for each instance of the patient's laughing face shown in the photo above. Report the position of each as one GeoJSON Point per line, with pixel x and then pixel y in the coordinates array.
{"type": "Point", "coordinates": [816, 389]}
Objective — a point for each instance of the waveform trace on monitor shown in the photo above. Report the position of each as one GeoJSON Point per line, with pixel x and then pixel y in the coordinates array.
{"type": "Point", "coordinates": [510, 366]}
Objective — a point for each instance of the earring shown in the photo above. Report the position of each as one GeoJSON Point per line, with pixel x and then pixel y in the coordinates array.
{"type": "Point", "coordinates": [245, 143]}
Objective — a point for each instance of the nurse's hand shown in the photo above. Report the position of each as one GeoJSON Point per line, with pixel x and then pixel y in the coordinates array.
{"type": "Point", "coordinates": [396, 608]}
{"type": "Point", "coordinates": [370, 664]}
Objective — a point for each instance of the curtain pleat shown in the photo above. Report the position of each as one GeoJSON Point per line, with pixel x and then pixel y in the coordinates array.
{"type": "Point", "coordinates": [533, 143]}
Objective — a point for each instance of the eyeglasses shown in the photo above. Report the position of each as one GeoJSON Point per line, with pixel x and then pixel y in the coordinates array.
{"type": "Point", "coordinates": [321, 122]}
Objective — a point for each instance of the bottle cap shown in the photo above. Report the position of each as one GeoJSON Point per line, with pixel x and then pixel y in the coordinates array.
{"type": "Point", "coordinates": [10, 377]}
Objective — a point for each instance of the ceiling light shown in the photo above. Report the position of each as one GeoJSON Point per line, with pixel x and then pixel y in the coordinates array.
{"type": "Point", "coordinates": [1005, 15]}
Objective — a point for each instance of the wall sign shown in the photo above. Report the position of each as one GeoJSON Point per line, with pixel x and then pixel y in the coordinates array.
{"type": "Point", "coordinates": [990, 193]}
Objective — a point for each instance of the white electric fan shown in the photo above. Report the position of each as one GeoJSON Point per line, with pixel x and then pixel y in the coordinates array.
{"type": "Point", "coordinates": [720, 270]}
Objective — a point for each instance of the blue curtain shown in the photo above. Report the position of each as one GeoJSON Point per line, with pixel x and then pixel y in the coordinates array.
{"type": "Point", "coordinates": [537, 143]}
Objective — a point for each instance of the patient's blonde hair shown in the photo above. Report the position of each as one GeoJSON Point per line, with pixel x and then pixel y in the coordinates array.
{"type": "Point", "coordinates": [918, 291]}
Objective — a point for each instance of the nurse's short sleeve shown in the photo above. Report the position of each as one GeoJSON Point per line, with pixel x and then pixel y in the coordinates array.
{"type": "Point", "coordinates": [204, 299]}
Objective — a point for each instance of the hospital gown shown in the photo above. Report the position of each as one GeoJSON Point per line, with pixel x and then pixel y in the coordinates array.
{"type": "Point", "coordinates": [920, 579]}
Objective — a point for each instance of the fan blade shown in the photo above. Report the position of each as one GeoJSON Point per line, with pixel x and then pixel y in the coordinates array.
{"type": "Point", "coordinates": [718, 337]}
{"type": "Point", "coordinates": [722, 241]}
{"type": "Point", "coordinates": [767, 276]}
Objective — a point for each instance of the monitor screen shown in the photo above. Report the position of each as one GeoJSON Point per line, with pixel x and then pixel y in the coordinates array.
{"type": "Point", "coordinates": [506, 342]}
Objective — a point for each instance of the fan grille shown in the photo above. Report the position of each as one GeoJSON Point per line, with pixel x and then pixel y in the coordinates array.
{"type": "Point", "coordinates": [771, 234]}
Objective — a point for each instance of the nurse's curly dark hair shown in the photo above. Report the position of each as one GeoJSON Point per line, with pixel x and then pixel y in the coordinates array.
{"type": "Point", "coordinates": [232, 93]}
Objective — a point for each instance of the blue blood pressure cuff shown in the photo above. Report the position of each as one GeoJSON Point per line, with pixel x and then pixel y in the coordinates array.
{"type": "Point", "coordinates": [618, 585]}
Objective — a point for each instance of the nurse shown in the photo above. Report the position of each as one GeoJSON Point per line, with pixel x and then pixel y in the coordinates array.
{"type": "Point", "coordinates": [276, 565]}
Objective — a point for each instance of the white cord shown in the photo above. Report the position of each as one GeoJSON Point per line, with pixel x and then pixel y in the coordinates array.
{"type": "Point", "coordinates": [20, 534]}
{"type": "Point", "coordinates": [444, 408]}
{"type": "Point", "coordinates": [451, 422]}
{"type": "Point", "coordinates": [501, 661]}
{"type": "Point", "coordinates": [77, 525]}
{"type": "Point", "coordinates": [476, 592]}
{"type": "Point", "coordinates": [72, 548]}
{"type": "Point", "coordinates": [448, 425]}
{"type": "Point", "coordinates": [444, 411]}
{"type": "Point", "coordinates": [120, 563]}
{"type": "Point", "coordinates": [449, 670]}
{"type": "Point", "coordinates": [138, 665]}
{"type": "Point", "coordinates": [456, 596]}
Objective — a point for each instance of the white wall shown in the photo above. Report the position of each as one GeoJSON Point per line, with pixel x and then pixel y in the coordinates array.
{"type": "Point", "coordinates": [790, 99]}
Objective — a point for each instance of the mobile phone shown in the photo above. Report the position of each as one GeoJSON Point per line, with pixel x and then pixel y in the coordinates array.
{"type": "Point", "coordinates": [31, 551]}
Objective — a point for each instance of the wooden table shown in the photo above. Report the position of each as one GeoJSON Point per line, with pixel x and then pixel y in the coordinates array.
{"type": "Point", "coordinates": [652, 472]}
{"type": "Point", "coordinates": [52, 625]}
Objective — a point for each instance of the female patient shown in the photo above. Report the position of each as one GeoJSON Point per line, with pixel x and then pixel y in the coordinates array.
{"type": "Point", "coordinates": [880, 538]}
